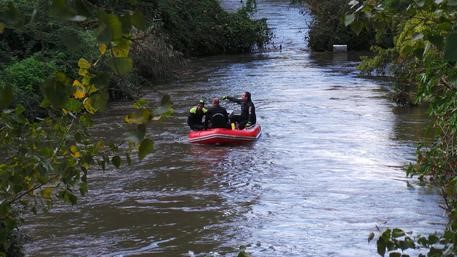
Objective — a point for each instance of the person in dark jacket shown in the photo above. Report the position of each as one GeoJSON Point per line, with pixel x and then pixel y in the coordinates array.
{"type": "Point", "coordinates": [195, 117]}
{"type": "Point", "coordinates": [247, 117]}
{"type": "Point", "coordinates": [217, 116]}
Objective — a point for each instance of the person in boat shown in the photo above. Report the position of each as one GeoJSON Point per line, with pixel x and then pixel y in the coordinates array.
{"type": "Point", "coordinates": [196, 115]}
{"type": "Point", "coordinates": [216, 116]}
{"type": "Point", "coordinates": [247, 117]}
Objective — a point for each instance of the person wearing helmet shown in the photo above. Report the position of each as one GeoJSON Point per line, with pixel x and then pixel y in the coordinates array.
{"type": "Point", "coordinates": [247, 117]}
{"type": "Point", "coordinates": [195, 117]}
{"type": "Point", "coordinates": [217, 116]}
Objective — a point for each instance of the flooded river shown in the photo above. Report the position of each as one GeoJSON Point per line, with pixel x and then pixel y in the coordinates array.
{"type": "Point", "coordinates": [326, 171]}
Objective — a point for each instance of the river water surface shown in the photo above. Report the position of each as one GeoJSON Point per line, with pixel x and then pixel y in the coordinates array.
{"type": "Point", "coordinates": [326, 171]}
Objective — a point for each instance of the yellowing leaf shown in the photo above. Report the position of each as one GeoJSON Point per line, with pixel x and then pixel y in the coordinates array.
{"type": "Point", "coordinates": [73, 148]}
{"type": "Point", "coordinates": [133, 119]}
{"type": "Point", "coordinates": [88, 105]}
{"type": "Point", "coordinates": [121, 48]}
{"type": "Point", "coordinates": [76, 155]}
{"type": "Point", "coordinates": [142, 117]}
{"type": "Point", "coordinates": [102, 48]}
{"type": "Point", "coordinates": [76, 83]}
{"type": "Point", "coordinates": [86, 79]}
{"type": "Point", "coordinates": [84, 64]}
{"type": "Point", "coordinates": [46, 193]}
{"type": "Point", "coordinates": [79, 93]}
{"type": "Point", "coordinates": [91, 89]}
{"type": "Point", "coordinates": [2, 27]}
{"type": "Point", "coordinates": [121, 51]}
{"type": "Point", "coordinates": [83, 72]}
{"type": "Point", "coordinates": [100, 145]}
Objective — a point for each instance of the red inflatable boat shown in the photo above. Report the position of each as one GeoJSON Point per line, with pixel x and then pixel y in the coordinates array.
{"type": "Point", "coordinates": [225, 136]}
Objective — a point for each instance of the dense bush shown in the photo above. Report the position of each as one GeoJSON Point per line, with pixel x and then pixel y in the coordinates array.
{"type": "Point", "coordinates": [204, 28]}
{"type": "Point", "coordinates": [327, 28]}
{"type": "Point", "coordinates": [47, 158]}
{"type": "Point", "coordinates": [174, 28]}
{"type": "Point", "coordinates": [25, 77]}
{"type": "Point", "coordinates": [424, 55]}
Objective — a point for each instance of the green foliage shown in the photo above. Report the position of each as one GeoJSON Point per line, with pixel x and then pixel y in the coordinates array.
{"type": "Point", "coordinates": [424, 53]}
{"type": "Point", "coordinates": [328, 28]}
{"type": "Point", "coordinates": [25, 78]}
{"type": "Point", "coordinates": [204, 28]}
{"type": "Point", "coordinates": [396, 242]}
{"type": "Point", "coordinates": [48, 158]}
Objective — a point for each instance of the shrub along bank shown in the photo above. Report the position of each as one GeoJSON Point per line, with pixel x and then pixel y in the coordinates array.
{"type": "Point", "coordinates": [327, 28]}
{"type": "Point", "coordinates": [173, 30]}
{"type": "Point", "coordinates": [424, 54]}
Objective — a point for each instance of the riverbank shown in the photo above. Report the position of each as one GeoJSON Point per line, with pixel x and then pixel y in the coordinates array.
{"type": "Point", "coordinates": [174, 31]}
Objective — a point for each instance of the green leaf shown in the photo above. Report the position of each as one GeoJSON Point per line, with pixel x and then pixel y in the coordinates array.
{"type": "Point", "coordinates": [6, 96]}
{"type": "Point", "coordinates": [146, 146]}
{"type": "Point", "coordinates": [57, 90]}
{"type": "Point", "coordinates": [140, 103]}
{"type": "Point", "coordinates": [83, 188]}
{"type": "Point", "coordinates": [433, 239]}
{"type": "Point", "coordinates": [395, 254]}
{"type": "Point", "coordinates": [121, 65]}
{"type": "Point", "coordinates": [83, 63]}
{"type": "Point", "coordinates": [100, 100]}
{"type": "Point", "coordinates": [60, 8]}
{"type": "Point", "coordinates": [386, 235]}
{"type": "Point", "coordinates": [410, 243]}
{"type": "Point", "coordinates": [381, 247]}
{"type": "Point", "coordinates": [450, 52]}
{"type": "Point", "coordinates": [20, 109]}
{"type": "Point", "coordinates": [73, 105]}
{"type": "Point", "coordinates": [110, 28]}
{"type": "Point", "coordinates": [348, 19]}
{"type": "Point", "coordinates": [116, 161]}
{"type": "Point", "coordinates": [68, 196]}
{"type": "Point", "coordinates": [357, 27]}
{"type": "Point", "coordinates": [396, 233]}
